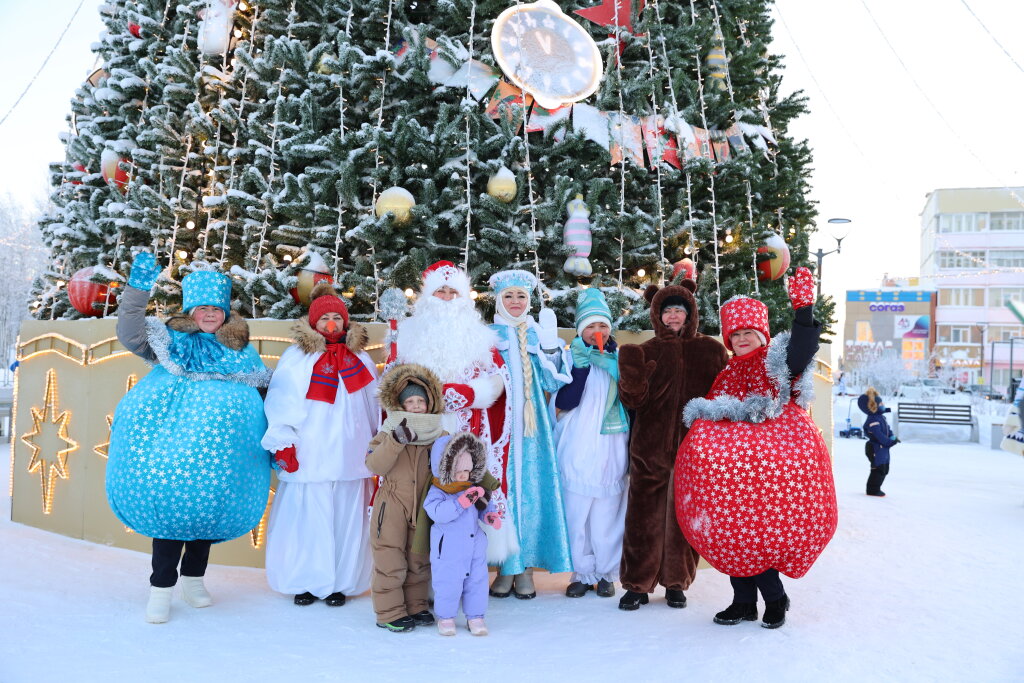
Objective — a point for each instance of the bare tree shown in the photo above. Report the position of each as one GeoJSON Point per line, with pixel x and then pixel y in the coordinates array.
{"type": "Point", "coordinates": [22, 256]}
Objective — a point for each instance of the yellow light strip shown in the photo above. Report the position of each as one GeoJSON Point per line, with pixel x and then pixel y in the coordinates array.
{"type": "Point", "coordinates": [14, 427]}
{"type": "Point", "coordinates": [103, 449]}
{"type": "Point", "coordinates": [259, 533]}
{"type": "Point", "coordinates": [49, 471]}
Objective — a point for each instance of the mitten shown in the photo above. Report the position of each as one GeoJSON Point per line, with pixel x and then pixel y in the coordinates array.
{"type": "Point", "coordinates": [469, 496]}
{"type": "Point", "coordinates": [402, 433]}
{"type": "Point", "coordinates": [895, 441]}
{"type": "Point", "coordinates": [286, 460]}
{"type": "Point", "coordinates": [493, 519]}
{"type": "Point", "coordinates": [633, 371]}
{"type": "Point", "coordinates": [144, 271]}
{"type": "Point", "coordinates": [801, 288]}
{"type": "Point", "coordinates": [548, 331]}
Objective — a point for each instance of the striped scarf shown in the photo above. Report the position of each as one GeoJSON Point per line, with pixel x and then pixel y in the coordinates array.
{"type": "Point", "coordinates": [337, 362]}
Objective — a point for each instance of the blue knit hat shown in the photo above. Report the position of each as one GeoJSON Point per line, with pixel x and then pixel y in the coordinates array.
{"type": "Point", "coordinates": [206, 288]}
{"type": "Point", "coordinates": [591, 307]}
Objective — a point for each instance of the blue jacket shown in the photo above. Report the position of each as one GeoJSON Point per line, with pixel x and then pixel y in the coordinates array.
{"type": "Point", "coordinates": [876, 428]}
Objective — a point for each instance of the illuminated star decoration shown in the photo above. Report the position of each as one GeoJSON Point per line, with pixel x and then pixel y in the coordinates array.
{"type": "Point", "coordinates": [49, 469]}
{"type": "Point", "coordinates": [103, 449]}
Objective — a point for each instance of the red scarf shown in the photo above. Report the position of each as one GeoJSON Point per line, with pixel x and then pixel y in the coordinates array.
{"type": "Point", "coordinates": [337, 361]}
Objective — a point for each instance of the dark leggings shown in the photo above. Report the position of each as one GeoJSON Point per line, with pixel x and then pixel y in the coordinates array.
{"type": "Point", "coordinates": [877, 476]}
{"type": "Point", "coordinates": [744, 588]}
{"type": "Point", "coordinates": [167, 554]}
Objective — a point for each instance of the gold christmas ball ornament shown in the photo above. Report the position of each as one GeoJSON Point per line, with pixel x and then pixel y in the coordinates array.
{"type": "Point", "coordinates": [502, 185]}
{"type": "Point", "coordinates": [398, 201]}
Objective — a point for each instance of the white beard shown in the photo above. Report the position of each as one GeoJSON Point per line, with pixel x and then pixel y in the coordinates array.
{"type": "Point", "coordinates": [449, 337]}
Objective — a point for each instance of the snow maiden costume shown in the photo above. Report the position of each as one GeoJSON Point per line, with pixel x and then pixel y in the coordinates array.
{"type": "Point", "coordinates": [458, 548]}
{"type": "Point", "coordinates": [322, 412]}
{"type": "Point", "coordinates": [186, 466]}
{"type": "Point", "coordinates": [528, 468]}
{"type": "Point", "coordinates": [754, 488]}
{"type": "Point", "coordinates": [592, 436]}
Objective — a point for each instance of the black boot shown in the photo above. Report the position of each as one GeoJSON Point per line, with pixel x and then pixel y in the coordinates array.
{"type": "Point", "coordinates": [632, 600]}
{"type": "Point", "coordinates": [737, 612]}
{"type": "Point", "coordinates": [605, 589]}
{"type": "Point", "coordinates": [577, 589]}
{"type": "Point", "coordinates": [335, 599]}
{"type": "Point", "coordinates": [675, 598]}
{"type": "Point", "coordinates": [424, 618]}
{"type": "Point", "coordinates": [775, 612]}
{"type": "Point", "coordinates": [401, 625]}
{"type": "Point", "coordinates": [306, 598]}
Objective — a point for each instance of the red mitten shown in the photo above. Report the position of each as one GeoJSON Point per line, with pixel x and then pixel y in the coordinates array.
{"type": "Point", "coordinates": [801, 288]}
{"type": "Point", "coordinates": [469, 496]}
{"type": "Point", "coordinates": [286, 460]}
{"type": "Point", "coordinates": [458, 396]}
{"type": "Point", "coordinates": [493, 519]}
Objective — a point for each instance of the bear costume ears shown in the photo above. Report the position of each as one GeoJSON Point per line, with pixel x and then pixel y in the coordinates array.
{"type": "Point", "coordinates": [654, 289]}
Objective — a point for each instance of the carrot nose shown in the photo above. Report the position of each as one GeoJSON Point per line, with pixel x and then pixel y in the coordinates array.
{"type": "Point", "coordinates": [600, 341]}
{"type": "Point", "coordinates": [332, 326]}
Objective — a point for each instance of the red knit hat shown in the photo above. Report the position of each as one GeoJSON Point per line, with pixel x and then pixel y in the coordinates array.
{"type": "Point", "coordinates": [743, 313]}
{"type": "Point", "coordinates": [325, 301]}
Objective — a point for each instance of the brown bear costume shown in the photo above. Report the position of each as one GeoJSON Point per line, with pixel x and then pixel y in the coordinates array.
{"type": "Point", "coordinates": [656, 379]}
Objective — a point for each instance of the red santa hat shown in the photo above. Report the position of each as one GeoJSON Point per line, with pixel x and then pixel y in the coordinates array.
{"type": "Point", "coordinates": [325, 301]}
{"type": "Point", "coordinates": [743, 313]}
{"type": "Point", "coordinates": [444, 273]}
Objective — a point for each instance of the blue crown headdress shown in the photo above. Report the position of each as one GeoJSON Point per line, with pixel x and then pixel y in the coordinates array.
{"type": "Point", "coordinates": [513, 278]}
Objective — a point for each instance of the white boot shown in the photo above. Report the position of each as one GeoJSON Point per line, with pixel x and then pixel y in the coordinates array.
{"type": "Point", "coordinates": [158, 609]}
{"type": "Point", "coordinates": [477, 626]}
{"type": "Point", "coordinates": [446, 627]}
{"type": "Point", "coordinates": [194, 592]}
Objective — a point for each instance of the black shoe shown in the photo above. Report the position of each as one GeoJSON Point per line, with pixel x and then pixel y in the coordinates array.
{"type": "Point", "coordinates": [880, 494]}
{"type": "Point", "coordinates": [632, 600]}
{"type": "Point", "coordinates": [775, 612]}
{"type": "Point", "coordinates": [577, 589]}
{"type": "Point", "coordinates": [424, 618]}
{"type": "Point", "coordinates": [304, 599]}
{"type": "Point", "coordinates": [675, 598]}
{"type": "Point", "coordinates": [737, 612]}
{"type": "Point", "coordinates": [335, 599]}
{"type": "Point", "coordinates": [399, 625]}
{"type": "Point", "coordinates": [605, 589]}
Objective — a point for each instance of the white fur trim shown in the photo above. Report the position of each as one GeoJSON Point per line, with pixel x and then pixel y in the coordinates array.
{"type": "Point", "coordinates": [486, 391]}
{"type": "Point", "coordinates": [446, 275]}
{"type": "Point", "coordinates": [592, 319]}
{"type": "Point", "coordinates": [502, 543]}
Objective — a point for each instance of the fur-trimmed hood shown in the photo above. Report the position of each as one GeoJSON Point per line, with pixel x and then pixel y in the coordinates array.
{"type": "Point", "coordinates": [399, 377]}
{"type": "Point", "coordinates": [311, 341]}
{"type": "Point", "coordinates": [444, 450]}
{"type": "Point", "coordinates": [234, 333]}
{"type": "Point", "coordinates": [656, 297]}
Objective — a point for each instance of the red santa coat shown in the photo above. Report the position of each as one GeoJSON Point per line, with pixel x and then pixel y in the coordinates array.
{"type": "Point", "coordinates": [753, 479]}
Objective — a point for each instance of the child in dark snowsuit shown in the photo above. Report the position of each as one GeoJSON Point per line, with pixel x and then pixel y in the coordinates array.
{"type": "Point", "coordinates": [880, 440]}
{"type": "Point", "coordinates": [458, 545]}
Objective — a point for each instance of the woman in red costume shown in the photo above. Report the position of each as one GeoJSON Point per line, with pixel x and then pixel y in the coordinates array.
{"type": "Point", "coordinates": [753, 483]}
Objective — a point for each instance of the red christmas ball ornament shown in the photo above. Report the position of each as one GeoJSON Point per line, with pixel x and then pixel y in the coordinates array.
{"type": "Point", "coordinates": [135, 30]}
{"type": "Point", "coordinates": [87, 297]}
{"type": "Point", "coordinates": [110, 168]}
{"type": "Point", "coordinates": [78, 166]}
{"type": "Point", "coordinates": [685, 266]}
{"type": "Point", "coordinates": [774, 267]}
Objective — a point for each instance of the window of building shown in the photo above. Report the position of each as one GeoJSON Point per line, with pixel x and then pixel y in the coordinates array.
{"type": "Point", "coordinates": [957, 334]}
{"type": "Point", "coordinates": [1010, 258]}
{"type": "Point", "coordinates": [961, 222]}
{"type": "Point", "coordinates": [968, 296]}
{"type": "Point", "coordinates": [998, 296]}
{"type": "Point", "coordinates": [1006, 220]}
{"type": "Point", "coordinates": [961, 259]}
{"type": "Point", "coordinates": [1004, 332]}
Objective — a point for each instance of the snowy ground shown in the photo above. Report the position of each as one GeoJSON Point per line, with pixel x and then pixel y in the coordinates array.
{"type": "Point", "coordinates": [922, 585]}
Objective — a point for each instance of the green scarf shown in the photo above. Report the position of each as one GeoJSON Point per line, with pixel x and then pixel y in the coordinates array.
{"type": "Point", "coordinates": [583, 356]}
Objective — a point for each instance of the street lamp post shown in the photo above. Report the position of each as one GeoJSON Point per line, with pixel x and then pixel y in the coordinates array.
{"type": "Point", "coordinates": [981, 366]}
{"type": "Point", "coordinates": [820, 255]}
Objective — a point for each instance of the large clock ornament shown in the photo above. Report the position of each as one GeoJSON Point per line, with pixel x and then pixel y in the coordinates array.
{"type": "Point", "coordinates": [546, 53]}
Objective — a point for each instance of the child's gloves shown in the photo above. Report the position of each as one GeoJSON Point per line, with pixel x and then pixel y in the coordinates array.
{"type": "Point", "coordinates": [144, 271]}
{"type": "Point", "coordinates": [801, 288]}
{"type": "Point", "coordinates": [469, 496]}
{"type": "Point", "coordinates": [896, 441]}
{"type": "Point", "coordinates": [493, 519]}
{"type": "Point", "coordinates": [286, 460]}
{"type": "Point", "coordinates": [548, 330]}
{"type": "Point", "coordinates": [402, 433]}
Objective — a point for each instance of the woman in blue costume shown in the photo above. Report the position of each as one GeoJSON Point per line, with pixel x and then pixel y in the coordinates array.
{"type": "Point", "coordinates": [186, 466]}
{"type": "Point", "coordinates": [537, 362]}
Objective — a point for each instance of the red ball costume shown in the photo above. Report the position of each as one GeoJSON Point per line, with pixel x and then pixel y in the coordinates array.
{"type": "Point", "coordinates": [753, 481]}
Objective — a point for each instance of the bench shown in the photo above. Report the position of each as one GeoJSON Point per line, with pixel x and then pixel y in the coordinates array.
{"type": "Point", "coordinates": [937, 414]}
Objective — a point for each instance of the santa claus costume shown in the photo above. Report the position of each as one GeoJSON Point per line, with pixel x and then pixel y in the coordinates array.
{"type": "Point", "coordinates": [446, 334]}
{"type": "Point", "coordinates": [322, 412]}
{"type": "Point", "coordinates": [537, 362]}
{"type": "Point", "coordinates": [754, 489]}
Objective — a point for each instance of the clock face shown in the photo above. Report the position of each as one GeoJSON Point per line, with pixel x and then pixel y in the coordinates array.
{"type": "Point", "coordinates": [546, 53]}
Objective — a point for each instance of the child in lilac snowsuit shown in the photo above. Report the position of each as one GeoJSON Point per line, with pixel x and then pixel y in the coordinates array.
{"type": "Point", "coordinates": [458, 545]}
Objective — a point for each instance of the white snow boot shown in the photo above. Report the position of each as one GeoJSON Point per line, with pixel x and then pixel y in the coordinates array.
{"type": "Point", "coordinates": [194, 592]}
{"type": "Point", "coordinates": [477, 626]}
{"type": "Point", "coordinates": [158, 609]}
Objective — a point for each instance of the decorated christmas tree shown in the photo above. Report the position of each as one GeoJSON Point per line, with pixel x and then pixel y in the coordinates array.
{"type": "Point", "coordinates": [616, 145]}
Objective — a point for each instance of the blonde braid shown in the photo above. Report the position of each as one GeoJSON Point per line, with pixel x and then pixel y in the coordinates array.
{"type": "Point", "coordinates": [529, 417]}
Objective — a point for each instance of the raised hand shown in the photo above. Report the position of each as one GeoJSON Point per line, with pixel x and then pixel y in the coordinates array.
{"type": "Point", "coordinates": [144, 271]}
